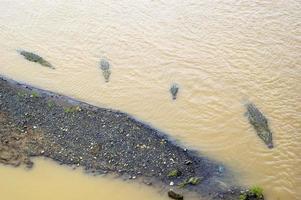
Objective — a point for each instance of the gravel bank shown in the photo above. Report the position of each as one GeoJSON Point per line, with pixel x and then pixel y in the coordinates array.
{"type": "Point", "coordinates": [35, 122]}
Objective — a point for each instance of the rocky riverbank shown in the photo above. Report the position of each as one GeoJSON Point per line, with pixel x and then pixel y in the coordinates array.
{"type": "Point", "coordinates": [34, 122]}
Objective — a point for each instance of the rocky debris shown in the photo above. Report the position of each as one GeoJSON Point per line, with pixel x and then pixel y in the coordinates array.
{"type": "Point", "coordinates": [260, 124]}
{"type": "Point", "coordinates": [99, 140]}
{"type": "Point", "coordinates": [254, 193]}
{"type": "Point", "coordinates": [174, 89]}
{"type": "Point", "coordinates": [36, 58]}
{"type": "Point", "coordinates": [175, 195]}
{"type": "Point", "coordinates": [105, 67]}
{"type": "Point", "coordinates": [17, 143]}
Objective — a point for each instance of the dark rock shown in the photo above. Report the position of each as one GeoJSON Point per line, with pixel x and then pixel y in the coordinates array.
{"type": "Point", "coordinates": [175, 195]}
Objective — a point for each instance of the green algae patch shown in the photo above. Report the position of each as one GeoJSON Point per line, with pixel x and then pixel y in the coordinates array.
{"type": "Point", "coordinates": [72, 109]}
{"type": "Point", "coordinates": [190, 181]}
{"type": "Point", "coordinates": [254, 193]}
{"type": "Point", "coordinates": [174, 173]}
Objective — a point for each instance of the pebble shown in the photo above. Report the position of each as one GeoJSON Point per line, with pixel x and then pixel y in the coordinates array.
{"type": "Point", "coordinates": [175, 195]}
{"type": "Point", "coordinates": [187, 162]}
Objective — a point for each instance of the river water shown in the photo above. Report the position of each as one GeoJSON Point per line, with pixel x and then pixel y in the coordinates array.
{"type": "Point", "coordinates": [222, 54]}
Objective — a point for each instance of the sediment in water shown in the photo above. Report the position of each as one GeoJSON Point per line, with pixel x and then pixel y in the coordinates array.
{"type": "Point", "coordinates": [35, 122]}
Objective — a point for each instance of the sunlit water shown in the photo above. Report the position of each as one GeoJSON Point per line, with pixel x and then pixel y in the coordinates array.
{"type": "Point", "coordinates": [221, 53]}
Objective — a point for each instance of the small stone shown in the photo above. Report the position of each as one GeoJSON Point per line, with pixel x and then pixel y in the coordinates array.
{"type": "Point", "coordinates": [221, 169]}
{"type": "Point", "coordinates": [171, 183]}
{"type": "Point", "coordinates": [175, 195]}
{"type": "Point", "coordinates": [147, 182]}
{"type": "Point", "coordinates": [188, 162]}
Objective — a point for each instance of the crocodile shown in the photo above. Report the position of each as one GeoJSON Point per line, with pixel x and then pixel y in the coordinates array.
{"type": "Point", "coordinates": [174, 89]}
{"type": "Point", "coordinates": [260, 124]}
{"type": "Point", "coordinates": [35, 58]}
{"type": "Point", "coordinates": [105, 67]}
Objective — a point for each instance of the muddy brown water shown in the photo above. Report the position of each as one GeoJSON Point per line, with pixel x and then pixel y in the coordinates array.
{"type": "Point", "coordinates": [221, 54]}
{"type": "Point", "coordinates": [64, 184]}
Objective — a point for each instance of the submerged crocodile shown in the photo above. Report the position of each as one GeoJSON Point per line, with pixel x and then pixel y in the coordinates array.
{"type": "Point", "coordinates": [105, 67]}
{"type": "Point", "coordinates": [35, 58]}
{"type": "Point", "coordinates": [260, 124]}
{"type": "Point", "coordinates": [174, 89]}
